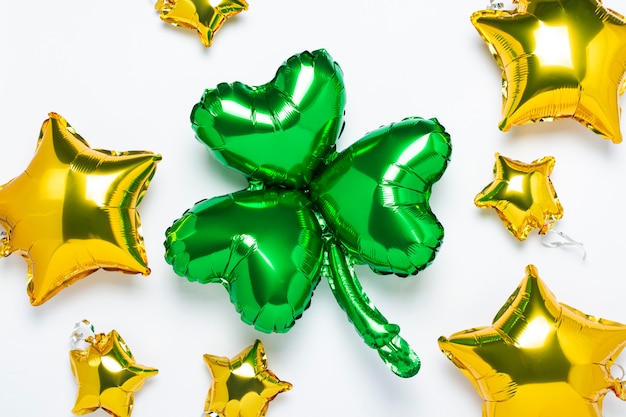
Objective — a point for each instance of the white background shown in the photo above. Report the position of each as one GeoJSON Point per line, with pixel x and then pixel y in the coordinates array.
{"type": "Point", "coordinates": [126, 80]}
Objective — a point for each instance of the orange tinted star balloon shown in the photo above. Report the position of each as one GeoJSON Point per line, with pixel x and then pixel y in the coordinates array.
{"type": "Point", "coordinates": [73, 210]}
{"type": "Point", "coordinates": [559, 59]}
{"type": "Point", "coordinates": [540, 357]}
{"type": "Point", "coordinates": [522, 195]}
{"type": "Point", "coordinates": [107, 376]}
{"type": "Point", "coordinates": [200, 15]}
{"type": "Point", "coordinates": [242, 386]}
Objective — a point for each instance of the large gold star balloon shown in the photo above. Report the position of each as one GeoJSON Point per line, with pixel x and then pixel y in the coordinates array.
{"type": "Point", "coordinates": [205, 16]}
{"type": "Point", "coordinates": [74, 210]}
{"type": "Point", "coordinates": [242, 386]}
{"type": "Point", "coordinates": [522, 195]}
{"type": "Point", "coordinates": [107, 376]}
{"type": "Point", "coordinates": [559, 59]}
{"type": "Point", "coordinates": [540, 357]}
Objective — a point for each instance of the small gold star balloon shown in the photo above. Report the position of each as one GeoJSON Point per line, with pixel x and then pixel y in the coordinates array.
{"type": "Point", "coordinates": [539, 357]}
{"type": "Point", "coordinates": [106, 373]}
{"type": "Point", "coordinates": [242, 386]}
{"type": "Point", "coordinates": [74, 210]}
{"type": "Point", "coordinates": [559, 59]}
{"type": "Point", "coordinates": [205, 16]}
{"type": "Point", "coordinates": [522, 195]}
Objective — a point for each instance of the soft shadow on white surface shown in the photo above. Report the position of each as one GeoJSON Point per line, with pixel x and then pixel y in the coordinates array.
{"type": "Point", "coordinates": [126, 80]}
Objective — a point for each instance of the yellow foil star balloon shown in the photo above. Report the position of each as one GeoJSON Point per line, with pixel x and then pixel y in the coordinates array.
{"type": "Point", "coordinates": [107, 376]}
{"type": "Point", "coordinates": [522, 195]}
{"type": "Point", "coordinates": [559, 59]}
{"type": "Point", "coordinates": [539, 357]}
{"type": "Point", "coordinates": [73, 210]}
{"type": "Point", "coordinates": [242, 386]}
{"type": "Point", "coordinates": [200, 14]}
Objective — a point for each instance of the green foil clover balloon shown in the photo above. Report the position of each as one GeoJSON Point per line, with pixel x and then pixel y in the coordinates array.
{"type": "Point", "coordinates": [310, 212]}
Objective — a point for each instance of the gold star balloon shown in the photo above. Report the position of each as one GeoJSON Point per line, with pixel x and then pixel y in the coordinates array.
{"type": "Point", "coordinates": [205, 16]}
{"type": "Point", "coordinates": [242, 386]}
{"type": "Point", "coordinates": [74, 210]}
{"type": "Point", "coordinates": [522, 195]}
{"type": "Point", "coordinates": [559, 59]}
{"type": "Point", "coordinates": [539, 357]}
{"type": "Point", "coordinates": [107, 375]}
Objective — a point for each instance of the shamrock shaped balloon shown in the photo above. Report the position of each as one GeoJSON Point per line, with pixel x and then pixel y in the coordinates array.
{"type": "Point", "coordinates": [310, 212]}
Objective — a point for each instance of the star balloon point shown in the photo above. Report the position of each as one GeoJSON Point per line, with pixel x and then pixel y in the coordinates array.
{"type": "Point", "coordinates": [242, 386]}
{"type": "Point", "coordinates": [205, 16]}
{"type": "Point", "coordinates": [539, 357]}
{"type": "Point", "coordinates": [74, 210]}
{"type": "Point", "coordinates": [559, 59]}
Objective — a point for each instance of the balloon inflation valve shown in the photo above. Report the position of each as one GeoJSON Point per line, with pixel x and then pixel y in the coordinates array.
{"type": "Point", "coordinates": [619, 386]}
{"type": "Point", "coordinates": [82, 335]}
{"type": "Point", "coordinates": [5, 247]}
{"type": "Point", "coordinates": [502, 5]}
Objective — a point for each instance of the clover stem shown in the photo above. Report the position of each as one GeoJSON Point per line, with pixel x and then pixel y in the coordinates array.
{"type": "Point", "coordinates": [373, 327]}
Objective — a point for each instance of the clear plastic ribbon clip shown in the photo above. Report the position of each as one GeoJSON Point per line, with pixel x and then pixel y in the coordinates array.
{"type": "Point", "coordinates": [564, 241]}
{"type": "Point", "coordinates": [502, 5]}
{"type": "Point", "coordinates": [619, 386]}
